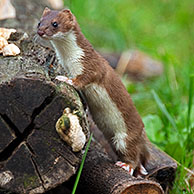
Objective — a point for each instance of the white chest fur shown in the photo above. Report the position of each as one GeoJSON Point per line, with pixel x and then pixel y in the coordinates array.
{"type": "Point", "coordinates": [68, 53]}
{"type": "Point", "coordinates": [106, 115]}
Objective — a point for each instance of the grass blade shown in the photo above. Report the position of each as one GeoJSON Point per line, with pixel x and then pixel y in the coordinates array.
{"type": "Point", "coordinates": [81, 165]}
{"type": "Point", "coordinates": [190, 142]}
{"type": "Point", "coordinates": [163, 109]}
{"type": "Point", "coordinates": [191, 88]}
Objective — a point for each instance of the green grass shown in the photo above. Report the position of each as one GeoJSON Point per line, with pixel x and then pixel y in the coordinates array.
{"type": "Point", "coordinates": [81, 165]}
{"type": "Point", "coordinates": [164, 29]}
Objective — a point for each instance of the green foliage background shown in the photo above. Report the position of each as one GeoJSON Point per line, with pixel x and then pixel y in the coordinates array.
{"type": "Point", "coordinates": [164, 29]}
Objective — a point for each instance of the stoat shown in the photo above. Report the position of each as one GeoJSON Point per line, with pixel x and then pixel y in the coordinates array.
{"type": "Point", "coordinates": [109, 103]}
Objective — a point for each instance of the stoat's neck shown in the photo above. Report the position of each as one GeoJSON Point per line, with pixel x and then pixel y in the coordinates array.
{"type": "Point", "coordinates": [69, 53]}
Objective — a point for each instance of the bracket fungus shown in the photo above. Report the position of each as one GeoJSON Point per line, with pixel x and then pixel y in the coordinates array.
{"type": "Point", "coordinates": [69, 129]}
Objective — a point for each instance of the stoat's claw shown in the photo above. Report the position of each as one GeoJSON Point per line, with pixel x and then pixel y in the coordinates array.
{"type": "Point", "coordinates": [64, 79]}
{"type": "Point", "coordinates": [142, 170]}
{"type": "Point", "coordinates": [125, 166]}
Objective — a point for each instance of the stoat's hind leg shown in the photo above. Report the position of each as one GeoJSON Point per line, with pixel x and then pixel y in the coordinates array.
{"type": "Point", "coordinates": [140, 171]}
{"type": "Point", "coordinates": [125, 166]}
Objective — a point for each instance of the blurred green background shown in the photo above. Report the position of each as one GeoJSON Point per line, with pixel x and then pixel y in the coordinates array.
{"type": "Point", "coordinates": [164, 29]}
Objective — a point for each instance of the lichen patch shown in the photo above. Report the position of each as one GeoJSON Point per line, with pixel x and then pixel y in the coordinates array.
{"type": "Point", "coordinates": [5, 177]}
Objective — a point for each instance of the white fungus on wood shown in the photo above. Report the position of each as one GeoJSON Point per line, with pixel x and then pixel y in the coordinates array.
{"type": "Point", "coordinates": [3, 43]}
{"type": "Point", "coordinates": [70, 130]}
{"type": "Point", "coordinates": [10, 50]}
{"type": "Point", "coordinates": [5, 48]}
{"type": "Point", "coordinates": [6, 32]}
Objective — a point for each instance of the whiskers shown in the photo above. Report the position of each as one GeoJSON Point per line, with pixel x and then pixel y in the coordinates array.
{"type": "Point", "coordinates": [45, 43]}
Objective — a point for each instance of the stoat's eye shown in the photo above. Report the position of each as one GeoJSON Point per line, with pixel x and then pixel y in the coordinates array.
{"type": "Point", "coordinates": [55, 24]}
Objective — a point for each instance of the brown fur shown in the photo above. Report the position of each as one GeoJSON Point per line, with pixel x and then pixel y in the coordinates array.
{"type": "Point", "coordinates": [97, 71]}
{"type": "Point", "coordinates": [64, 18]}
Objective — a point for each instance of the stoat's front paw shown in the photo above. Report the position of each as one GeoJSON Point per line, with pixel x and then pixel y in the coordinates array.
{"type": "Point", "coordinates": [64, 79]}
{"type": "Point", "coordinates": [141, 172]}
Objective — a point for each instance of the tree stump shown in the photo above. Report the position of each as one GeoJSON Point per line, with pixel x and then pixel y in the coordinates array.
{"type": "Point", "coordinates": [33, 158]}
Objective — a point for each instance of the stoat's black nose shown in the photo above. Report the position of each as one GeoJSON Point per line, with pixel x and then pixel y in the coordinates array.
{"type": "Point", "coordinates": [40, 32]}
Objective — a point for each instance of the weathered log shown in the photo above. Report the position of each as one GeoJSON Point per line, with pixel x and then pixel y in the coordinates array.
{"type": "Point", "coordinates": [135, 64]}
{"type": "Point", "coordinates": [100, 175]}
{"type": "Point", "coordinates": [27, 15]}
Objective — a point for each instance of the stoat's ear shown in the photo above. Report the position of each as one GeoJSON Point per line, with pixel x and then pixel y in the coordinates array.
{"type": "Point", "coordinates": [66, 11]}
{"type": "Point", "coordinates": [46, 10]}
{"type": "Point", "coordinates": [68, 14]}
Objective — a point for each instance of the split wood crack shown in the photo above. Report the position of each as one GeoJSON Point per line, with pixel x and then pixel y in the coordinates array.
{"type": "Point", "coordinates": [21, 137]}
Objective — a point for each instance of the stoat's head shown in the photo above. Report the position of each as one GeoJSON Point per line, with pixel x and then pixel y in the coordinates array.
{"type": "Point", "coordinates": [55, 24]}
